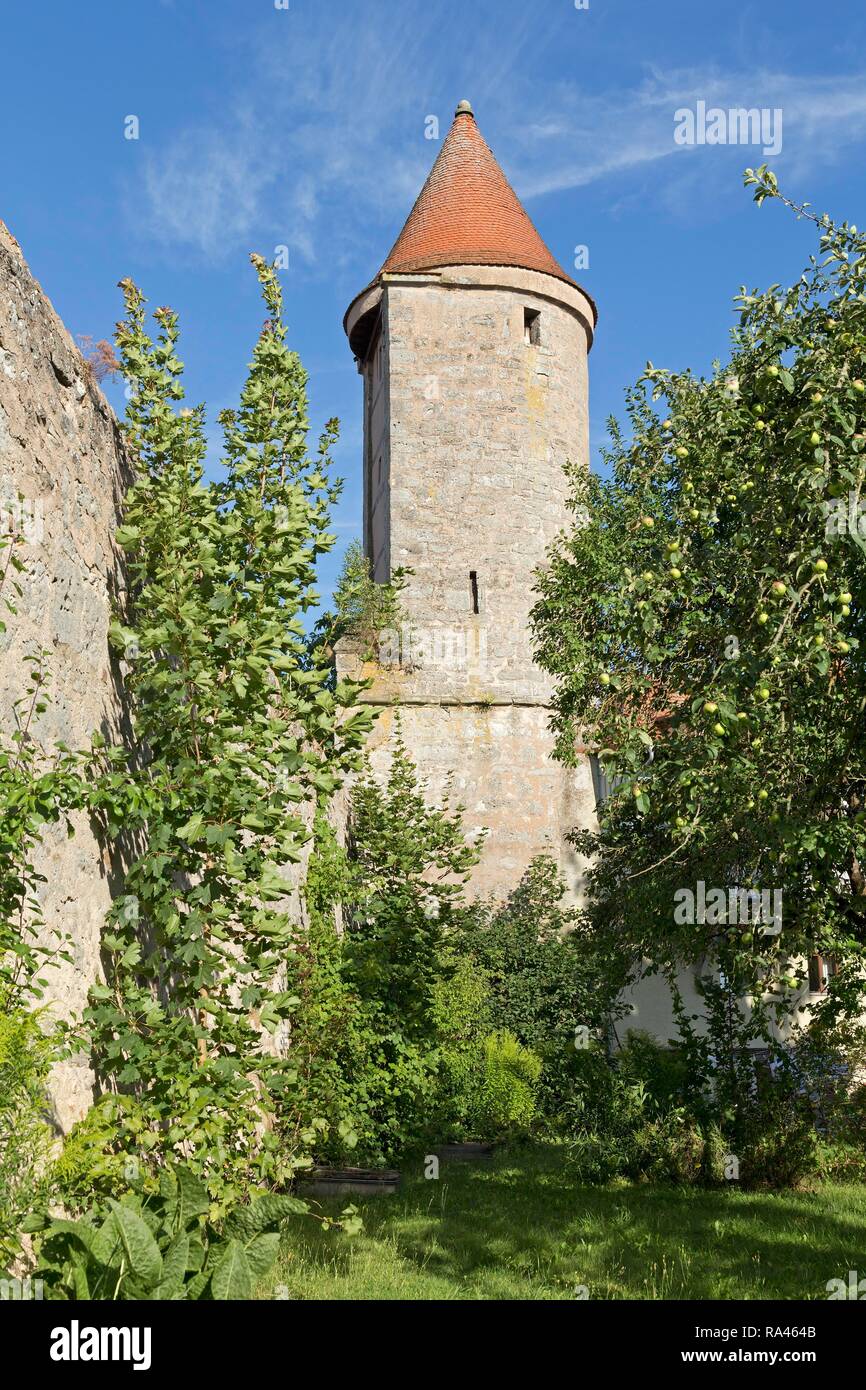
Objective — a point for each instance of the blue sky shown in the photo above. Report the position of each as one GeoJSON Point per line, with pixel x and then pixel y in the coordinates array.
{"type": "Point", "coordinates": [305, 127]}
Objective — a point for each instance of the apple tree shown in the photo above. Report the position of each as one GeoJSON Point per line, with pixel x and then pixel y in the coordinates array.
{"type": "Point", "coordinates": [704, 623]}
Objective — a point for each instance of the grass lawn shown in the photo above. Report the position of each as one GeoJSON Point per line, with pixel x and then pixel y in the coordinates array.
{"type": "Point", "coordinates": [519, 1228]}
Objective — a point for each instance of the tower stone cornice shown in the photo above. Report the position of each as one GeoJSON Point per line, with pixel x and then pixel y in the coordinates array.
{"type": "Point", "coordinates": [467, 214]}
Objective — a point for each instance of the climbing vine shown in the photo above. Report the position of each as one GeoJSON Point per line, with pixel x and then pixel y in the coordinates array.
{"type": "Point", "coordinates": [37, 787]}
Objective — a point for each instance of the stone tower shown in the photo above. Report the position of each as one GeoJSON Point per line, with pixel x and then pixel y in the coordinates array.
{"type": "Point", "coordinates": [472, 343]}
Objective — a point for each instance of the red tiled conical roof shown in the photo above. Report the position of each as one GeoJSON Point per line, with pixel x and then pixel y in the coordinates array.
{"type": "Point", "coordinates": [467, 213]}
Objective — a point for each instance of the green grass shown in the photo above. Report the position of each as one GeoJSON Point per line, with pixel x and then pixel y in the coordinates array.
{"type": "Point", "coordinates": [520, 1228]}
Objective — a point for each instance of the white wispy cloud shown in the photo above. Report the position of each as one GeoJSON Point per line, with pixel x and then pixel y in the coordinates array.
{"type": "Point", "coordinates": [325, 158]}
{"type": "Point", "coordinates": [322, 142]}
{"type": "Point", "coordinates": [585, 138]}
{"type": "Point", "coordinates": [206, 189]}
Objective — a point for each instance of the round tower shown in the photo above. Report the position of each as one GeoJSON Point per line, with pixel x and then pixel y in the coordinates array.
{"type": "Point", "coordinates": [472, 342]}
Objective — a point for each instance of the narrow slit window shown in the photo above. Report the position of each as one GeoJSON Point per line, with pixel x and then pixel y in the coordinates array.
{"type": "Point", "coordinates": [473, 590]}
{"type": "Point", "coordinates": [532, 327]}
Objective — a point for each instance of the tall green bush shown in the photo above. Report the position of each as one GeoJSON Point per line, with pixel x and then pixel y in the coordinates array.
{"type": "Point", "coordinates": [376, 965]}
{"type": "Point", "coordinates": [704, 624]}
{"type": "Point", "coordinates": [552, 982]}
{"type": "Point", "coordinates": [239, 735]}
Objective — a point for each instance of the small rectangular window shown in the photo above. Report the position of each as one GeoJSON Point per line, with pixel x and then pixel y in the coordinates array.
{"type": "Point", "coordinates": [821, 971]}
{"type": "Point", "coordinates": [532, 327]}
{"type": "Point", "coordinates": [473, 590]}
{"type": "Point", "coordinates": [601, 783]}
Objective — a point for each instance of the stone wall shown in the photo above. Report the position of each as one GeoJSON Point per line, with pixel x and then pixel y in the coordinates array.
{"type": "Point", "coordinates": [60, 451]}
{"type": "Point", "coordinates": [480, 425]}
{"type": "Point", "coordinates": [496, 761]}
{"type": "Point", "coordinates": [468, 428]}
{"type": "Point", "coordinates": [467, 431]}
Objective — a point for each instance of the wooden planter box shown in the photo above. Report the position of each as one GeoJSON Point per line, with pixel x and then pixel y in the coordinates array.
{"type": "Point", "coordinates": [470, 1150]}
{"type": "Point", "coordinates": [355, 1182]}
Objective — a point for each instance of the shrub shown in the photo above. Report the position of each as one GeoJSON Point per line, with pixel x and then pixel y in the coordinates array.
{"type": "Point", "coordinates": [462, 1009]}
{"type": "Point", "coordinates": [716, 1155]}
{"type": "Point", "coordinates": [488, 1089]}
{"type": "Point", "coordinates": [671, 1149]}
{"type": "Point", "coordinates": [375, 1001]}
{"type": "Point", "coordinates": [840, 1161]}
{"type": "Point", "coordinates": [26, 1133]}
{"type": "Point", "coordinates": [365, 608]}
{"type": "Point", "coordinates": [624, 1124]}
{"type": "Point", "coordinates": [161, 1247]}
{"type": "Point", "coordinates": [504, 1103]}
{"type": "Point", "coordinates": [408, 862]}
{"type": "Point", "coordinates": [595, 1158]}
{"type": "Point", "coordinates": [92, 1162]}
{"type": "Point", "coordinates": [548, 977]}
{"type": "Point", "coordinates": [775, 1139]}
{"type": "Point", "coordinates": [601, 1099]}
{"type": "Point", "coordinates": [603, 1115]}
{"type": "Point", "coordinates": [663, 1070]}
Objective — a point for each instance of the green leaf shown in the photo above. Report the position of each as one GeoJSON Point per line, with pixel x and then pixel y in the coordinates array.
{"type": "Point", "coordinates": [190, 830]}
{"type": "Point", "coordinates": [261, 1252]}
{"type": "Point", "coordinates": [107, 1247]}
{"type": "Point", "coordinates": [127, 535]}
{"type": "Point", "coordinates": [34, 1221]}
{"type": "Point", "coordinates": [231, 1277]}
{"type": "Point", "coordinates": [196, 1287]}
{"type": "Point", "coordinates": [175, 1260]}
{"type": "Point", "coordinates": [80, 1285]}
{"type": "Point", "coordinates": [79, 1230]}
{"type": "Point", "coordinates": [266, 1211]}
{"type": "Point", "coordinates": [192, 1200]}
{"type": "Point", "coordinates": [139, 1247]}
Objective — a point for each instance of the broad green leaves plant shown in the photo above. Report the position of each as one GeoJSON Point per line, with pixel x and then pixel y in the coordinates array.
{"type": "Point", "coordinates": [239, 733]}
{"type": "Point", "coordinates": [161, 1246]}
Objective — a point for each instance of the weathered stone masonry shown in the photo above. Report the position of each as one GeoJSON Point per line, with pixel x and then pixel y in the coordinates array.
{"type": "Point", "coordinates": [60, 452]}
{"type": "Point", "coordinates": [472, 343]}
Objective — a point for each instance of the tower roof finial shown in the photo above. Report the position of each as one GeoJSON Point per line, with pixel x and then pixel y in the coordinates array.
{"type": "Point", "coordinates": [467, 214]}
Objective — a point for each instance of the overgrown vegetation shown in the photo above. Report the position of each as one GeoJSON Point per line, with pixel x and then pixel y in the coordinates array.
{"type": "Point", "coordinates": [238, 739]}
{"type": "Point", "coordinates": [552, 981]}
{"type": "Point", "coordinates": [380, 965]}
{"type": "Point", "coordinates": [703, 621]}
{"type": "Point", "coordinates": [38, 787]}
{"type": "Point", "coordinates": [161, 1246]}
{"type": "Point", "coordinates": [275, 997]}
{"type": "Point", "coordinates": [366, 610]}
